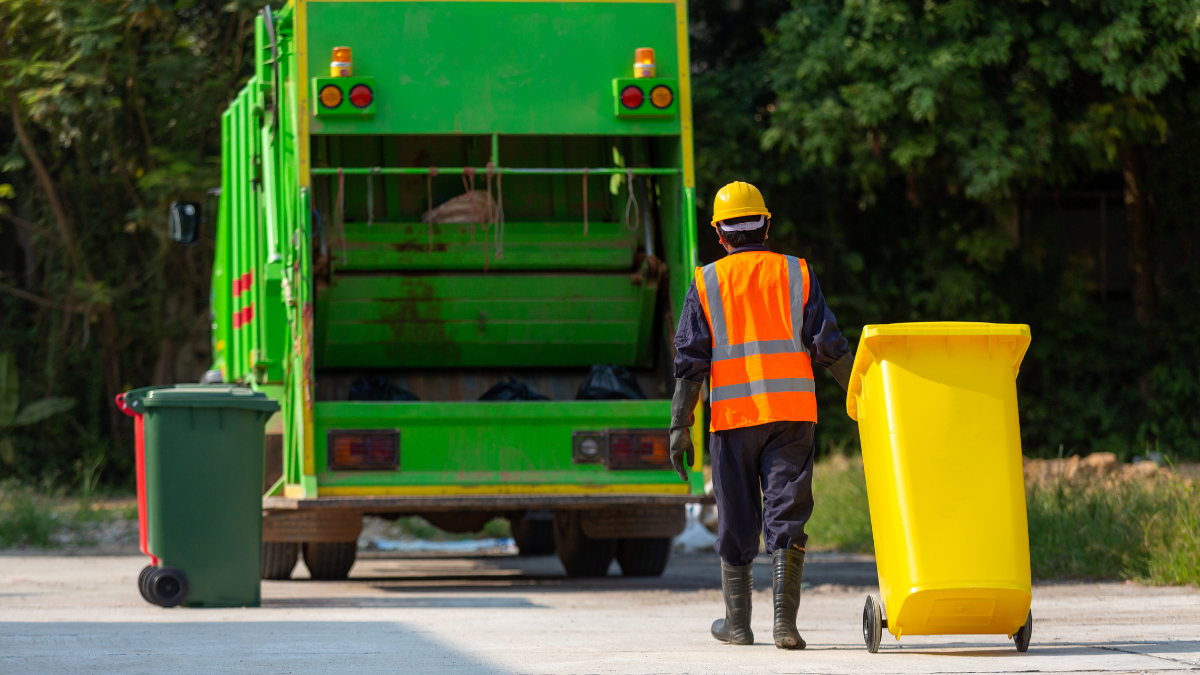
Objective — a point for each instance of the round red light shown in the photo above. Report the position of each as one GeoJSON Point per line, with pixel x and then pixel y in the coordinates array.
{"type": "Point", "coordinates": [361, 95]}
{"type": "Point", "coordinates": [631, 97]}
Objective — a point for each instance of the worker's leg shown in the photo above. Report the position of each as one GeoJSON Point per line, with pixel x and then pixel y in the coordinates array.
{"type": "Point", "coordinates": [787, 462]}
{"type": "Point", "coordinates": [735, 467]}
{"type": "Point", "coordinates": [735, 455]}
{"type": "Point", "coordinates": [786, 470]}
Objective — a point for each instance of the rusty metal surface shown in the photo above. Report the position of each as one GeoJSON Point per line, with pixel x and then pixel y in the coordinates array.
{"type": "Point", "coordinates": [417, 504]}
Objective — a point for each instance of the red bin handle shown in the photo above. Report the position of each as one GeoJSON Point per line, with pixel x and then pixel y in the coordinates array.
{"type": "Point", "coordinates": [124, 407]}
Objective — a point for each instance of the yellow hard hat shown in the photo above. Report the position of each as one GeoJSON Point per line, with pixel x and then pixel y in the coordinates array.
{"type": "Point", "coordinates": [738, 199]}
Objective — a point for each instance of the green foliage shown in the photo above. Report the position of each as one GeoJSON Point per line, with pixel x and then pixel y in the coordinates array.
{"type": "Point", "coordinates": [841, 520]}
{"type": "Point", "coordinates": [12, 415]}
{"type": "Point", "coordinates": [986, 98]}
{"type": "Point", "coordinates": [26, 518]}
{"type": "Point", "coordinates": [914, 153]}
{"type": "Point", "coordinates": [121, 102]}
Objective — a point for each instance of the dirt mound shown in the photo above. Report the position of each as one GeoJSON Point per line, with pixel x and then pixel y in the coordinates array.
{"type": "Point", "coordinates": [1094, 467]}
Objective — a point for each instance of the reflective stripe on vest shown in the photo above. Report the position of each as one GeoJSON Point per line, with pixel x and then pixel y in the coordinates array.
{"type": "Point", "coordinates": [755, 381]}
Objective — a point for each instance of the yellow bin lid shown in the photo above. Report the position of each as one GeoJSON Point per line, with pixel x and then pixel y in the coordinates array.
{"type": "Point", "coordinates": [1014, 337]}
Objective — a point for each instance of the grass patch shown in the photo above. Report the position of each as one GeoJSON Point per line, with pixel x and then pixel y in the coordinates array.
{"type": "Point", "coordinates": [1146, 531]}
{"type": "Point", "coordinates": [841, 520]}
{"type": "Point", "coordinates": [26, 518]}
{"type": "Point", "coordinates": [1142, 530]}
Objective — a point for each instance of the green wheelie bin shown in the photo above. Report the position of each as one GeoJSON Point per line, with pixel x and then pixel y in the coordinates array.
{"type": "Point", "coordinates": [199, 476]}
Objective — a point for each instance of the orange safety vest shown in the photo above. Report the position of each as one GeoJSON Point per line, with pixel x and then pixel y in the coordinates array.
{"type": "Point", "coordinates": [761, 372]}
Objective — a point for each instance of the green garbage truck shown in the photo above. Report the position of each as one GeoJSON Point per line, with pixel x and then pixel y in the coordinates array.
{"type": "Point", "coordinates": [453, 239]}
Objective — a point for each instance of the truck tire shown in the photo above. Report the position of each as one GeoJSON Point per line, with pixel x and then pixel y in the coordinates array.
{"type": "Point", "coordinates": [580, 555]}
{"type": "Point", "coordinates": [279, 559]}
{"type": "Point", "coordinates": [330, 561]}
{"type": "Point", "coordinates": [534, 533]}
{"type": "Point", "coordinates": [643, 557]}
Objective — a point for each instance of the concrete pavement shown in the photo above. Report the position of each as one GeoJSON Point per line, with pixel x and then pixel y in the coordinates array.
{"type": "Point", "coordinates": [513, 615]}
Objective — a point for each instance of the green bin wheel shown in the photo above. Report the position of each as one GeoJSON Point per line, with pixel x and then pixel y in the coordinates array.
{"type": "Point", "coordinates": [330, 561]}
{"type": "Point", "coordinates": [872, 623]}
{"type": "Point", "coordinates": [278, 559]}
{"type": "Point", "coordinates": [1021, 637]}
{"type": "Point", "coordinates": [643, 557]}
{"type": "Point", "coordinates": [166, 586]}
{"type": "Point", "coordinates": [142, 577]}
{"type": "Point", "coordinates": [580, 555]}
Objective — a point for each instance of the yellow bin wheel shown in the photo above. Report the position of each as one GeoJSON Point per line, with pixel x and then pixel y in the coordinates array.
{"type": "Point", "coordinates": [873, 623]}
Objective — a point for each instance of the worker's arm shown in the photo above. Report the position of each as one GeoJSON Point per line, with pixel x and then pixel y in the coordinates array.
{"type": "Point", "coordinates": [693, 340]}
{"type": "Point", "coordinates": [821, 335]}
{"type": "Point", "coordinates": [693, 359]}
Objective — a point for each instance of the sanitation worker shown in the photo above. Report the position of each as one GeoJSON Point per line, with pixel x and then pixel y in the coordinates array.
{"type": "Point", "coordinates": [754, 322]}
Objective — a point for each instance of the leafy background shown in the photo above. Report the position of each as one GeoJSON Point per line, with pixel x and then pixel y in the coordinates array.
{"type": "Point", "coordinates": [926, 157]}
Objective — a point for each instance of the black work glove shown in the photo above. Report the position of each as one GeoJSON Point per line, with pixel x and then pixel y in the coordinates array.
{"type": "Point", "coordinates": [683, 405]}
{"type": "Point", "coordinates": [842, 369]}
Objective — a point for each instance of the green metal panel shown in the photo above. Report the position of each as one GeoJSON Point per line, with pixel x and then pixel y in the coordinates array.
{"type": "Point", "coordinates": [527, 246]}
{"type": "Point", "coordinates": [385, 321]}
{"type": "Point", "coordinates": [484, 67]}
{"type": "Point", "coordinates": [525, 443]}
{"type": "Point", "coordinates": [449, 75]}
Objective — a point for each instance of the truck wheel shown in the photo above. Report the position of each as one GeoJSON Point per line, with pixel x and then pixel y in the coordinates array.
{"type": "Point", "coordinates": [279, 558]}
{"type": "Point", "coordinates": [581, 556]}
{"type": "Point", "coordinates": [166, 586]}
{"type": "Point", "coordinates": [534, 533]}
{"type": "Point", "coordinates": [330, 561]}
{"type": "Point", "coordinates": [643, 557]}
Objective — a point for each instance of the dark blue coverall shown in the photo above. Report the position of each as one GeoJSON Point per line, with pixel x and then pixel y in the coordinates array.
{"type": "Point", "coordinates": [774, 460]}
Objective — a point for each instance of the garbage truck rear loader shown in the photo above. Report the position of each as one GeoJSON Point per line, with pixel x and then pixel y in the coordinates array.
{"type": "Point", "coordinates": [421, 201]}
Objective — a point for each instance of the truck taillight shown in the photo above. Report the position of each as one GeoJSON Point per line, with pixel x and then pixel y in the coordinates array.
{"type": "Point", "coordinates": [361, 95]}
{"type": "Point", "coordinates": [661, 96]}
{"type": "Point", "coordinates": [365, 449]}
{"type": "Point", "coordinates": [632, 97]}
{"type": "Point", "coordinates": [331, 96]}
{"type": "Point", "coordinates": [638, 449]}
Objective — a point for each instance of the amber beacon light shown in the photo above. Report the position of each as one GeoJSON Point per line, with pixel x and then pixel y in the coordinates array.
{"type": "Point", "coordinates": [643, 62]}
{"type": "Point", "coordinates": [342, 64]}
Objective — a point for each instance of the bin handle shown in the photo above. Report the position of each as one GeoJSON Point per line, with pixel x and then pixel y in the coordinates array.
{"type": "Point", "coordinates": [124, 407]}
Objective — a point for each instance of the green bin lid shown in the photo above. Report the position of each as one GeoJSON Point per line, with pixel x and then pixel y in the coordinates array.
{"type": "Point", "coordinates": [200, 396]}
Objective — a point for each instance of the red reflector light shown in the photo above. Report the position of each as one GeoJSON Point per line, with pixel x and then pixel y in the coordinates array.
{"type": "Point", "coordinates": [639, 449]}
{"type": "Point", "coordinates": [632, 97]}
{"type": "Point", "coordinates": [374, 449]}
{"type": "Point", "coordinates": [361, 95]}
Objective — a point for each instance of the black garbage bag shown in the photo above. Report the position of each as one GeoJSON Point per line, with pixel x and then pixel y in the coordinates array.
{"type": "Point", "coordinates": [378, 388]}
{"type": "Point", "coordinates": [511, 390]}
{"type": "Point", "coordinates": [605, 383]}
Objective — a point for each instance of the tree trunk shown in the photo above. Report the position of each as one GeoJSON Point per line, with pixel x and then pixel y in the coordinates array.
{"type": "Point", "coordinates": [108, 320]}
{"type": "Point", "coordinates": [1137, 223]}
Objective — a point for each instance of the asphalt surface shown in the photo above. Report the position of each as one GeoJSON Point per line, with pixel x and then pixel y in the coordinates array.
{"type": "Point", "coordinates": [521, 615]}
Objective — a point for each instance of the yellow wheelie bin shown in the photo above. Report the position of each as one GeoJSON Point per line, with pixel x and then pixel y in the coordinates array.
{"type": "Point", "coordinates": [936, 406]}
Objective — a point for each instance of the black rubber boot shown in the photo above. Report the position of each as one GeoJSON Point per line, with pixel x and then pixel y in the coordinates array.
{"type": "Point", "coordinates": [787, 573]}
{"type": "Point", "coordinates": [738, 585]}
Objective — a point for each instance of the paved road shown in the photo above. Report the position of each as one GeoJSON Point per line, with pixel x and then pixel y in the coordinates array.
{"type": "Point", "coordinates": [511, 615]}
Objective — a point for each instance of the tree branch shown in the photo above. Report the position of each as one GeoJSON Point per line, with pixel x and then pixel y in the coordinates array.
{"type": "Point", "coordinates": [36, 299]}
